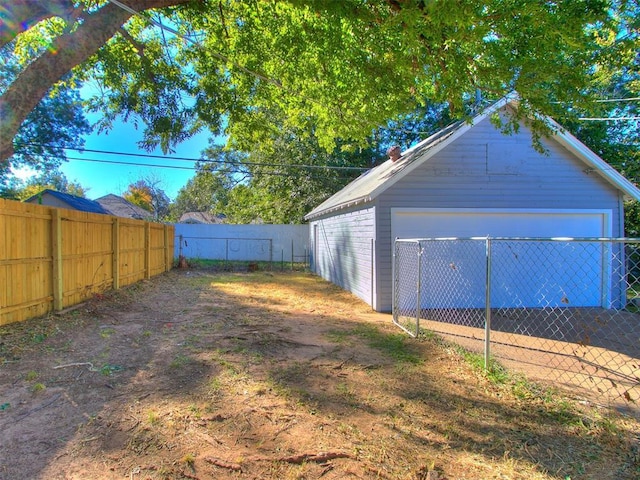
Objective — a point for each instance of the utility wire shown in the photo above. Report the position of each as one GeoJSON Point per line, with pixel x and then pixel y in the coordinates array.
{"type": "Point", "coordinates": [119, 162]}
{"type": "Point", "coordinates": [202, 160]}
{"type": "Point", "coordinates": [607, 100]}
{"type": "Point", "coordinates": [606, 119]}
{"type": "Point", "coordinates": [178, 167]}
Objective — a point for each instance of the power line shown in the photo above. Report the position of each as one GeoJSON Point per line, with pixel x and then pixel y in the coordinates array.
{"type": "Point", "coordinates": [178, 167]}
{"type": "Point", "coordinates": [606, 119]}
{"type": "Point", "coordinates": [630, 99]}
{"type": "Point", "coordinates": [201, 160]}
{"type": "Point", "coordinates": [608, 100]}
{"type": "Point", "coordinates": [134, 164]}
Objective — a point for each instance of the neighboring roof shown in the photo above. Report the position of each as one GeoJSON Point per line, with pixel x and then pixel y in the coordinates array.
{"type": "Point", "coordinates": [374, 182]}
{"type": "Point", "coordinates": [121, 207]}
{"type": "Point", "coordinates": [75, 203]}
{"type": "Point", "coordinates": [200, 217]}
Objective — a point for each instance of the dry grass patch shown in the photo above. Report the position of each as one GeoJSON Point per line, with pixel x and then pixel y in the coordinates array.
{"type": "Point", "coordinates": [282, 376]}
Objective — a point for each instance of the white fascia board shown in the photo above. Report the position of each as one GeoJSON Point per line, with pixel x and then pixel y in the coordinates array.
{"type": "Point", "coordinates": [317, 212]}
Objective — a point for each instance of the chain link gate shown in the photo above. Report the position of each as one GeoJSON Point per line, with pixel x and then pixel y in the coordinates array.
{"type": "Point", "coordinates": [562, 311]}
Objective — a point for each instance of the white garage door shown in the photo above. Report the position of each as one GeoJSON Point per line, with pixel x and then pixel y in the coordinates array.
{"type": "Point", "coordinates": [528, 277]}
{"type": "Point", "coordinates": [461, 223]}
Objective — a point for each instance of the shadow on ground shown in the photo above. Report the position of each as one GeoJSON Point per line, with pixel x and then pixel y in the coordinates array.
{"type": "Point", "coordinates": [206, 375]}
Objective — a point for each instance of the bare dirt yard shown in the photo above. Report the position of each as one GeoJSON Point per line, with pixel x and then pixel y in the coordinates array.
{"type": "Point", "coordinates": [198, 374]}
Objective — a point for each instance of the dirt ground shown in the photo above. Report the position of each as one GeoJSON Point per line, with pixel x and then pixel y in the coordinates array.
{"type": "Point", "coordinates": [198, 374]}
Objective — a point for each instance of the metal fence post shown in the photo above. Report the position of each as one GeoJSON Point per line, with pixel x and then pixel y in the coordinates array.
{"type": "Point", "coordinates": [394, 274]}
{"type": "Point", "coordinates": [487, 322]}
{"type": "Point", "coordinates": [419, 292]}
{"type": "Point", "coordinates": [372, 273]}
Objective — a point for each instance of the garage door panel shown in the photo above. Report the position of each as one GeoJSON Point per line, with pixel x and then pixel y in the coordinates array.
{"type": "Point", "coordinates": [525, 273]}
{"type": "Point", "coordinates": [506, 223]}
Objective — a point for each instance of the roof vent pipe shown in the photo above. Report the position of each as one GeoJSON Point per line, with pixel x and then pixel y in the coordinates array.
{"type": "Point", "coordinates": [394, 153]}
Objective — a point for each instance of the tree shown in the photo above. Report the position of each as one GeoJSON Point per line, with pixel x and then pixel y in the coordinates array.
{"type": "Point", "coordinates": [284, 175]}
{"type": "Point", "coordinates": [139, 194]}
{"type": "Point", "coordinates": [53, 180]}
{"type": "Point", "coordinates": [56, 122]}
{"type": "Point", "coordinates": [609, 125]}
{"type": "Point", "coordinates": [148, 194]}
{"type": "Point", "coordinates": [342, 67]}
{"type": "Point", "coordinates": [208, 190]}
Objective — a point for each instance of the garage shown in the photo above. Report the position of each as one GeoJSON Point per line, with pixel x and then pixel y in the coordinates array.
{"type": "Point", "coordinates": [471, 180]}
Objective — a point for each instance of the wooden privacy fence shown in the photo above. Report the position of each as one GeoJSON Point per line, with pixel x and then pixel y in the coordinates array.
{"type": "Point", "coordinates": [52, 258]}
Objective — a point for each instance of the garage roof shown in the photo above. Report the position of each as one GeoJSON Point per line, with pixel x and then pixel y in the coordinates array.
{"type": "Point", "coordinates": [375, 181]}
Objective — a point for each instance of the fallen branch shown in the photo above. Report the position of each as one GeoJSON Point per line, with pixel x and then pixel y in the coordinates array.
{"type": "Point", "coordinates": [80, 364]}
{"type": "Point", "coordinates": [90, 439]}
{"type": "Point", "coordinates": [314, 457]}
{"type": "Point", "coordinates": [40, 407]}
{"type": "Point", "coordinates": [189, 476]}
{"type": "Point", "coordinates": [222, 464]}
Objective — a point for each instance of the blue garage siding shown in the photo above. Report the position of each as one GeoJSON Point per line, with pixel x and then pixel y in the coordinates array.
{"type": "Point", "coordinates": [341, 248]}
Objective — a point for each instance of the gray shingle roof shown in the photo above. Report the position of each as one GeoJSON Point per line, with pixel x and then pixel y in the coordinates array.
{"type": "Point", "coordinates": [201, 217]}
{"type": "Point", "coordinates": [367, 186]}
{"type": "Point", "coordinates": [120, 207]}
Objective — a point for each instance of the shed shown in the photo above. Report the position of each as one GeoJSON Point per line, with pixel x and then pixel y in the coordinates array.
{"type": "Point", "coordinates": [53, 198]}
{"type": "Point", "coordinates": [466, 180]}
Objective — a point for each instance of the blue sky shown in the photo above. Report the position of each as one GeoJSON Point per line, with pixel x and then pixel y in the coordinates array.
{"type": "Point", "coordinates": [104, 178]}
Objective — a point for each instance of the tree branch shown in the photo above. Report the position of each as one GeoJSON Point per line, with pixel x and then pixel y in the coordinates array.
{"type": "Point", "coordinates": [136, 44]}
{"type": "Point", "coordinates": [67, 52]}
{"type": "Point", "coordinates": [20, 15]}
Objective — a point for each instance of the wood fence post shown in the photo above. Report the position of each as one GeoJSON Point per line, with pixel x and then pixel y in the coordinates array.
{"type": "Point", "coordinates": [147, 250]}
{"type": "Point", "coordinates": [56, 257]}
{"type": "Point", "coordinates": [115, 256]}
{"type": "Point", "coordinates": [168, 254]}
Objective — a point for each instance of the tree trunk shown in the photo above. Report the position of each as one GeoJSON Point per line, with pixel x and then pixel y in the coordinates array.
{"type": "Point", "coordinates": [20, 15]}
{"type": "Point", "coordinates": [66, 52]}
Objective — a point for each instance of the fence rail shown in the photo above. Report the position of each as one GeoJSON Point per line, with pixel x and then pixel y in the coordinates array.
{"type": "Point", "coordinates": [565, 311]}
{"type": "Point", "coordinates": [52, 258]}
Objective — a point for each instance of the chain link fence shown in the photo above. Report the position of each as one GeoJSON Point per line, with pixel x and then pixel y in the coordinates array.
{"type": "Point", "coordinates": [561, 311]}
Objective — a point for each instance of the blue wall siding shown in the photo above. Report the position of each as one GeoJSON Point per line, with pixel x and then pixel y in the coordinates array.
{"type": "Point", "coordinates": [343, 252]}
{"type": "Point", "coordinates": [486, 169]}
